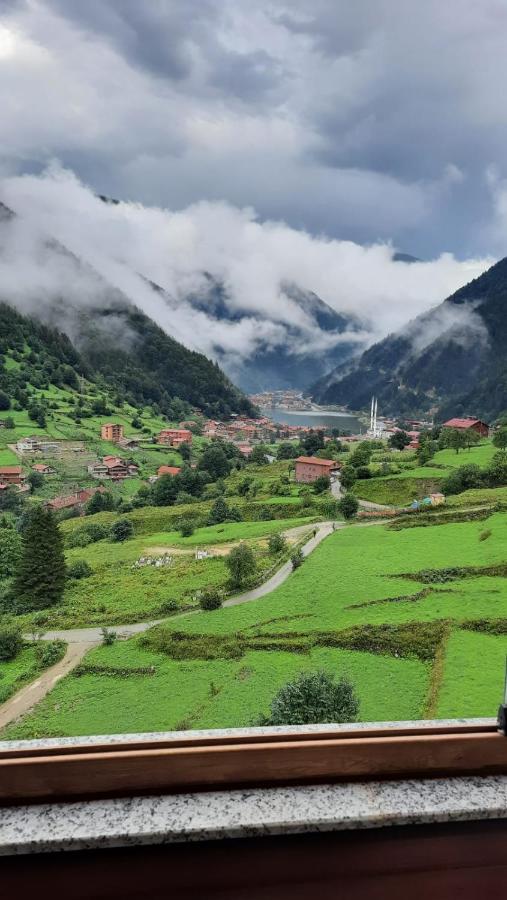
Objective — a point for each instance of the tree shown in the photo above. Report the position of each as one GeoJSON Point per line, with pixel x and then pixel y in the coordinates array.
{"type": "Point", "coordinates": [211, 598]}
{"type": "Point", "coordinates": [312, 442]}
{"type": "Point", "coordinates": [258, 455]}
{"type": "Point", "coordinates": [11, 639]}
{"type": "Point", "coordinates": [361, 455]}
{"type": "Point", "coordinates": [35, 480]}
{"type": "Point", "coordinates": [287, 451]}
{"type": "Point", "coordinates": [39, 578]}
{"type": "Point", "coordinates": [215, 461]}
{"type": "Point", "coordinates": [348, 477]}
{"type": "Point", "coordinates": [5, 403]}
{"type": "Point", "coordinates": [321, 484]}
{"type": "Point", "coordinates": [10, 551]}
{"type": "Point", "coordinates": [500, 439]}
{"type": "Point", "coordinates": [101, 501]}
{"type": "Point", "coordinates": [314, 698]}
{"type": "Point", "coordinates": [348, 506]}
{"type": "Point", "coordinates": [186, 527]}
{"type": "Point", "coordinates": [185, 451]}
{"type": "Point", "coordinates": [471, 438]}
{"type": "Point", "coordinates": [276, 544]}
{"type": "Point", "coordinates": [219, 512]}
{"type": "Point", "coordinates": [9, 423]}
{"type": "Point", "coordinates": [121, 530]}
{"type": "Point", "coordinates": [399, 440]}
{"type": "Point", "coordinates": [241, 564]}
{"type": "Point", "coordinates": [455, 438]}
{"type": "Point", "coordinates": [164, 491]}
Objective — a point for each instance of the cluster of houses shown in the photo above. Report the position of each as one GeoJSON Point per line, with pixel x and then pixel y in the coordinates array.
{"type": "Point", "coordinates": [286, 399]}
{"type": "Point", "coordinates": [35, 444]}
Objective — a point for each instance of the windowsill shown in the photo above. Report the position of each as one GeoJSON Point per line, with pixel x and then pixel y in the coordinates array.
{"type": "Point", "coordinates": [245, 813]}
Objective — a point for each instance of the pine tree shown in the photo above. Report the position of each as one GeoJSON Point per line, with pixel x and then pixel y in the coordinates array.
{"type": "Point", "coordinates": [39, 578]}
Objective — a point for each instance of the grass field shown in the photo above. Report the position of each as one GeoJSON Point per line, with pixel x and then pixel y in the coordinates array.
{"type": "Point", "coordinates": [117, 593]}
{"type": "Point", "coordinates": [371, 603]}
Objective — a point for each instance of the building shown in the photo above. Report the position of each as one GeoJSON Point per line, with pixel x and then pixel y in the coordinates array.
{"type": "Point", "coordinates": [77, 500]}
{"type": "Point", "coordinates": [28, 444]}
{"type": "Point", "coordinates": [112, 467]}
{"type": "Point", "coordinates": [437, 499]}
{"type": "Point", "coordinates": [175, 437]}
{"type": "Point", "coordinates": [468, 422]}
{"type": "Point", "coordinates": [44, 469]}
{"type": "Point", "coordinates": [112, 431]}
{"type": "Point", "coordinates": [245, 449]}
{"type": "Point", "coordinates": [11, 475]}
{"type": "Point", "coordinates": [309, 468]}
{"type": "Point", "coordinates": [168, 470]}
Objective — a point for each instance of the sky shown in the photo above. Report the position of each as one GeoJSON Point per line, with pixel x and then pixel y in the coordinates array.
{"type": "Point", "coordinates": [264, 141]}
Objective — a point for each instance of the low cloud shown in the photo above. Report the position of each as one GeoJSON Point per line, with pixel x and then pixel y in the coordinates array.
{"type": "Point", "coordinates": [188, 252]}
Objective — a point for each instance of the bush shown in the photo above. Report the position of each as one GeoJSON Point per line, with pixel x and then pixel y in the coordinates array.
{"type": "Point", "coordinates": [348, 506]}
{"type": "Point", "coordinates": [108, 636]}
{"type": "Point", "coordinates": [211, 598]}
{"type": "Point", "coordinates": [314, 698]}
{"type": "Point", "coordinates": [276, 544]}
{"type": "Point", "coordinates": [297, 559]}
{"type": "Point", "coordinates": [186, 527]}
{"type": "Point", "coordinates": [121, 530]}
{"type": "Point", "coordinates": [11, 639]}
{"type": "Point", "coordinates": [321, 484]}
{"type": "Point", "coordinates": [241, 564]}
{"type": "Point", "coordinates": [484, 535]}
{"type": "Point", "coordinates": [49, 652]}
{"type": "Point", "coordinates": [79, 569]}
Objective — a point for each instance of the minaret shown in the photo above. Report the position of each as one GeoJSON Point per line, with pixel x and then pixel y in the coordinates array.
{"type": "Point", "coordinates": [371, 412]}
{"type": "Point", "coordinates": [375, 419]}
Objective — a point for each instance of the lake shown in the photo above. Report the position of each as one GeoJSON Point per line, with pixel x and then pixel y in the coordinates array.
{"type": "Point", "coordinates": [315, 419]}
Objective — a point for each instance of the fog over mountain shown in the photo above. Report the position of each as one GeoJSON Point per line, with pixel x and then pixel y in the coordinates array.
{"type": "Point", "coordinates": [271, 303]}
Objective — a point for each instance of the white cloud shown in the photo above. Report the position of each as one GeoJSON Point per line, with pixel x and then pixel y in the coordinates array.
{"type": "Point", "coordinates": [127, 243]}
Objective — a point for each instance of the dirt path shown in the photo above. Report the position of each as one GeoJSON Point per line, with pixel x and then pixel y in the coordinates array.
{"type": "Point", "coordinates": [30, 695]}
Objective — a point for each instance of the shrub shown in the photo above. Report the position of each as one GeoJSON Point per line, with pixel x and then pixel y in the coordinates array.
{"type": "Point", "coordinates": [49, 652]}
{"type": "Point", "coordinates": [79, 569]}
{"type": "Point", "coordinates": [169, 606]}
{"type": "Point", "coordinates": [314, 698]}
{"type": "Point", "coordinates": [348, 506]}
{"type": "Point", "coordinates": [121, 530]}
{"type": "Point", "coordinates": [186, 527]}
{"type": "Point", "coordinates": [484, 535]}
{"type": "Point", "coordinates": [241, 564]}
{"type": "Point", "coordinates": [321, 484]}
{"type": "Point", "coordinates": [108, 636]}
{"type": "Point", "coordinates": [211, 598]}
{"type": "Point", "coordinates": [276, 544]}
{"type": "Point", "coordinates": [297, 559]}
{"type": "Point", "coordinates": [11, 639]}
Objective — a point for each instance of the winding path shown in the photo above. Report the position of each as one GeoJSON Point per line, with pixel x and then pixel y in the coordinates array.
{"type": "Point", "coordinates": [29, 696]}
{"type": "Point", "coordinates": [80, 640]}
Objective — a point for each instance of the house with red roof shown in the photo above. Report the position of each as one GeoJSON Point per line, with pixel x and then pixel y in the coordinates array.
{"type": "Point", "coordinates": [309, 468]}
{"type": "Point", "coordinates": [168, 470]}
{"type": "Point", "coordinates": [44, 469]}
{"type": "Point", "coordinates": [175, 437]}
{"type": "Point", "coordinates": [12, 475]}
{"type": "Point", "coordinates": [77, 500]}
{"type": "Point", "coordinates": [468, 422]}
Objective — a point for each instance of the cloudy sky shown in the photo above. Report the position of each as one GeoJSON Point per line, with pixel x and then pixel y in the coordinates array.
{"type": "Point", "coordinates": [295, 133]}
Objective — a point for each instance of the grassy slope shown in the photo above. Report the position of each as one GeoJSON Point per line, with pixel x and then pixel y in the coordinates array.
{"type": "Point", "coordinates": [350, 567]}
{"type": "Point", "coordinates": [118, 594]}
{"type": "Point", "coordinates": [18, 672]}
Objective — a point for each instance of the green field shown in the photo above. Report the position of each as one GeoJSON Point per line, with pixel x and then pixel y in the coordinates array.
{"type": "Point", "coordinates": [385, 607]}
{"type": "Point", "coordinates": [19, 671]}
{"type": "Point", "coordinates": [116, 593]}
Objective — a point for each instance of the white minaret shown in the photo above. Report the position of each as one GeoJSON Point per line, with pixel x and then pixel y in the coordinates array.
{"type": "Point", "coordinates": [375, 419]}
{"type": "Point", "coordinates": [371, 412]}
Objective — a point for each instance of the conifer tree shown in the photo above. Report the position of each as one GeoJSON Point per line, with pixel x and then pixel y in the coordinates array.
{"type": "Point", "coordinates": [39, 578]}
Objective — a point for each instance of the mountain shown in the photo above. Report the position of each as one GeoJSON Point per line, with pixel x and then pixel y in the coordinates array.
{"type": "Point", "coordinates": [107, 339]}
{"type": "Point", "coordinates": [451, 360]}
{"type": "Point", "coordinates": [293, 356]}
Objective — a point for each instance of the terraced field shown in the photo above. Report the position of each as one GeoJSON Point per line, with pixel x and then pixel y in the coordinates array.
{"type": "Point", "coordinates": [417, 618]}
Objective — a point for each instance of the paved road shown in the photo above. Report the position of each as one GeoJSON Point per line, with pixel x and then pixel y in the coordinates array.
{"type": "Point", "coordinates": [87, 635]}
{"type": "Point", "coordinates": [30, 695]}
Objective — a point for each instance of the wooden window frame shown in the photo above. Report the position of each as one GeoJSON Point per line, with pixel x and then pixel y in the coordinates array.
{"type": "Point", "coordinates": [217, 762]}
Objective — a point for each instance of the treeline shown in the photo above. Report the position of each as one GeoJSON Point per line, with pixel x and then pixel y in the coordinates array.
{"type": "Point", "coordinates": [125, 355]}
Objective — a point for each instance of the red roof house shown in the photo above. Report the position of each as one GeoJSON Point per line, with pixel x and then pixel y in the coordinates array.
{"type": "Point", "coordinates": [168, 470]}
{"type": "Point", "coordinates": [309, 468]}
{"type": "Point", "coordinates": [11, 475]}
{"type": "Point", "coordinates": [467, 422]}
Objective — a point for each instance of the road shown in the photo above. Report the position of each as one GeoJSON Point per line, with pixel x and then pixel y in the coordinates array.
{"type": "Point", "coordinates": [80, 640]}
{"type": "Point", "coordinates": [29, 696]}
{"type": "Point", "coordinates": [94, 635]}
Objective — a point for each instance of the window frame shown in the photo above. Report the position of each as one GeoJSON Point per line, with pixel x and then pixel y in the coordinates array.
{"type": "Point", "coordinates": [70, 772]}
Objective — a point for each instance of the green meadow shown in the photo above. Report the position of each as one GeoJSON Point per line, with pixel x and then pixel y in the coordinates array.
{"type": "Point", "coordinates": [402, 613]}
